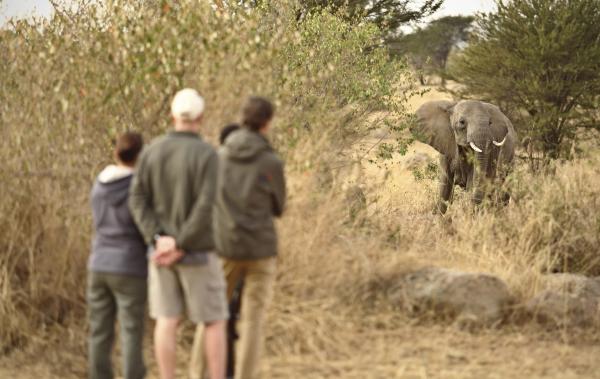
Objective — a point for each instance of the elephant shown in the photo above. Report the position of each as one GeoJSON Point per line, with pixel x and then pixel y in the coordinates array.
{"type": "Point", "coordinates": [476, 142]}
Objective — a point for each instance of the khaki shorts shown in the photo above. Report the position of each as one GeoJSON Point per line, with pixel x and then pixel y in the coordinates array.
{"type": "Point", "coordinates": [198, 289]}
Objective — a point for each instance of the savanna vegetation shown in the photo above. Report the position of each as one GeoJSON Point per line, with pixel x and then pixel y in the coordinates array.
{"type": "Point", "coordinates": [428, 48]}
{"type": "Point", "coordinates": [539, 59]}
{"type": "Point", "coordinates": [356, 219]}
{"type": "Point", "coordinates": [388, 15]}
{"type": "Point", "coordinates": [70, 84]}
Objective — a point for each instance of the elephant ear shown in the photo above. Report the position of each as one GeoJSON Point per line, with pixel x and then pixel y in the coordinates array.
{"type": "Point", "coordinates": [433, 126]}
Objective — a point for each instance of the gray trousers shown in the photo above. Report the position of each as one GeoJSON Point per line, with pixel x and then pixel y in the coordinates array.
{"type": "Point", "coordinates": [111, 297]}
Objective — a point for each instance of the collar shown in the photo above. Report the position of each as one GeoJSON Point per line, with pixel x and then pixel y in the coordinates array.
{"type": "Point", "coordinates": [176, 133]}
{"type": "Point", "coordinates": [112, 173]}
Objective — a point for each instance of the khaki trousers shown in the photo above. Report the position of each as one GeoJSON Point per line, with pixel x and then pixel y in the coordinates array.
{"type": "Point", "coordinates": [258, 276]}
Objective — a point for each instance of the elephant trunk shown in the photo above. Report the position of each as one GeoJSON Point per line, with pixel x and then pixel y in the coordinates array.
{"type": "Point", "coordinates": [479, 177]}
{"type": "Point", "coordinates": [480, 172]}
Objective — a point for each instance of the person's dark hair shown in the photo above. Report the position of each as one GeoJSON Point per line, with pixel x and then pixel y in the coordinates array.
{"type": "Point", "coordinates": [257, 112]}
{"type": "Point", "coordinates": [128, 147]}
{"type": "Point", "coordinates": [226, 131]}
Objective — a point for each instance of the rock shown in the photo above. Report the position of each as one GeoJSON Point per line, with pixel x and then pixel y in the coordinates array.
{"type": "Point", "coordinates": [469, 299]}
{"type": "Point", "coordinates": [416, 161]}
{"type": "Point", "coordinates": [568, 300]}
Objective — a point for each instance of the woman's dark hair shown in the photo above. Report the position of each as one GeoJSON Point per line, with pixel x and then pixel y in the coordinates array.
{"type": "Point", "coordinates": [226, 131]}
{"type": "Point", "coordinates": [128, 147]}
{"type": "Point", "coordinates": [257, 112]}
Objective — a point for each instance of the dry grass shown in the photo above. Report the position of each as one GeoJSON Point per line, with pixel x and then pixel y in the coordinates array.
{"type": "Point", "coordinates": [330, 317]}
{"type": "Point", "coordinates": [71, 84]}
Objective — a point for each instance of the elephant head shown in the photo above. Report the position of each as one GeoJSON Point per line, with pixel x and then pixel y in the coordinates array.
{"type": "Point", "coordinates": [466, 128]}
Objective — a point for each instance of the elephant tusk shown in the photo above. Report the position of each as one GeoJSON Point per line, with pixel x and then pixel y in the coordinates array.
{"type": "Point", "coordinates": [500, 143]}
{"type": "Point", "coordinates": [474, 147]}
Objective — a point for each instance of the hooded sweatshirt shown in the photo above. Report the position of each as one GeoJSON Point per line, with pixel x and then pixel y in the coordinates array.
{"type": "Point", "coordinates": [250, 193]}
{"type": "Point", "coordinates": [117, 246]}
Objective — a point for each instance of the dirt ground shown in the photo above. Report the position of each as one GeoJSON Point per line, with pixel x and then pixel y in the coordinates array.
{"type": "Point", "coordinates": [441, 352]}
{"type": "Point", "coordinates": [406, 352]}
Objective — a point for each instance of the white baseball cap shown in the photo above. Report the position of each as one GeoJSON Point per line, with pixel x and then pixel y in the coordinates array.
{"type": "Point", "coordinates": [187, 105]}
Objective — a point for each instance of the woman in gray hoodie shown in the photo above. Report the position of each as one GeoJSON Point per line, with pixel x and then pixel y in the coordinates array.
{"type": "Point", "coordinates": [117, 268]}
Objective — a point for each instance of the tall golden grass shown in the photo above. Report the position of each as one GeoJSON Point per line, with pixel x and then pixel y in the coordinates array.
{"type": "Point", "coordinates": [69, 85]}
{"type": "Point", "coordinates": [336, 268]}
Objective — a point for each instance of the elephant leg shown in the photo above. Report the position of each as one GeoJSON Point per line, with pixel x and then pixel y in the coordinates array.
{"type": "Point", "coordinates": [446, 185]}
{"type": "Point", "coordinates": [503, 196]}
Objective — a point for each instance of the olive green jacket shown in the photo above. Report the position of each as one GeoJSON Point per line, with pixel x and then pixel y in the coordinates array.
{"type": "Point", "coordinates": [250, 193]}
{"type": "Point", "coordinates": [173, 191]}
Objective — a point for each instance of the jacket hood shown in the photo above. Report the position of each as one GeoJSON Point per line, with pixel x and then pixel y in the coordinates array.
{"type": "Point", "coordinates": [112, 173]}
{"type": "Point", "coordinates": [245, 145]}
{"type": "Point", "coordinates": [113, 184]}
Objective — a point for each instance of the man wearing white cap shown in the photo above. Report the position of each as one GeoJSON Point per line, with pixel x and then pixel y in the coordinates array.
{"type": "Point", "coordinates": [171, 200]}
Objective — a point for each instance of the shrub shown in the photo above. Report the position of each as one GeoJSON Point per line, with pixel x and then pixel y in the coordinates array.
{"type": "Point", "coordinates": [70, 84]}
{"type": "Point", "coordinates": [428, 48]}
{"type": "Point", "coordinates": [540, 59]}
{"type": "Point", "coordinates": [389, 15]}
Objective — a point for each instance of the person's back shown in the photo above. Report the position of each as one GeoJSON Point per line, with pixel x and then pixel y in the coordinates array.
{"type": "Point", "coordinates": [117, 285]}
{"type": "Point", "coordinates": [250, 192]}
{"type": "Point", "coordinates": [172, 199]}
{"type": "Point", "coordinates": [117, 246]}
{"type": "Point", "coordinates": [175, 169]}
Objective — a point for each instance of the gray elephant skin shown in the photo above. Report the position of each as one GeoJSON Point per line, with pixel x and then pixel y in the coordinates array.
{"type": "Point", "coordinates": [476, 142]}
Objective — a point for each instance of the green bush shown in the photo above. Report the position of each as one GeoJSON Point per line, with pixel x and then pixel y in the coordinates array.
{"type": "Point", "coordinates": [69, 85]}
{"type": "Point", "coordinates": [389, 15]}
{"type": "Point", "coordinates": [540, 59]}
{"type": "Point", "coordinates": [428, 48]}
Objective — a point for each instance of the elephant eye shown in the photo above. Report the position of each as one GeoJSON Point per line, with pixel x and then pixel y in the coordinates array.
{"type": "Point", "coordinates": [462, 122]}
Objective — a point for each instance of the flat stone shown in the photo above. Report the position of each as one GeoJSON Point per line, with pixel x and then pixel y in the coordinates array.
{"type": "Point", "coordinates": [469, 298]}
{"type": "Point", "coordinates": [568, 300]}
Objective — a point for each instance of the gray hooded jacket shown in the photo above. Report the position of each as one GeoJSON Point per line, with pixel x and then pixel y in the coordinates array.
{"type": "Point", "coordinates": [250, 193]}
{"type": "Point", "coordinates": [117, 246]}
